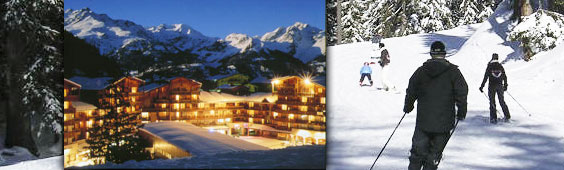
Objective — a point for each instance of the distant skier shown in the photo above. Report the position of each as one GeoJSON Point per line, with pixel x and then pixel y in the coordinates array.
{"type": "Point", "coordinates": [366, 71]}
{"type": "Point", "coordinates": [384, 61]}
{"type": "Point", "coordinates": [498, 84]}
{"type": "Point", "coordinates": [438, 86]}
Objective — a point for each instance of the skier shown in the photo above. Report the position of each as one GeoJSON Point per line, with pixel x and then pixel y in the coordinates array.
{"type": "Point", "coordinates": [366, 71]}
{"type": "Point", "coordinates": [498, 84]}
{"type": "Point", "coordinates": [384, 61]}
{"type": "Point", "coordinates": [438, 86]}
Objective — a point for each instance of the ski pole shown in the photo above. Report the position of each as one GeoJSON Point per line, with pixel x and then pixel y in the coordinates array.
{"type": "Point", "coordinates": [387, 141]}
{"type": "Point", "coordinates": [450, 135]}
{"type": "Point", "coordinates": [518, 103]}
{"type": "Point", "coordinates": [497, 111]}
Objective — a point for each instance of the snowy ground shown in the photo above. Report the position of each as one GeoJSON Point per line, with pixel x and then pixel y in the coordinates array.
{"type": "Point", "coordinates": [198, 141]}
{"type": "Point", "coordinates": [266, 142]}
{"type": "Point", "coordinates": [302, 157]}
{"type": "Point", "coordinates": [52, 163]}
{"type": "Point", "coordinates": [362, 118]}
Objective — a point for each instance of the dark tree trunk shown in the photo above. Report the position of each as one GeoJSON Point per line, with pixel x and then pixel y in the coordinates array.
{"type": "Point", "coordinates": [18, 128]}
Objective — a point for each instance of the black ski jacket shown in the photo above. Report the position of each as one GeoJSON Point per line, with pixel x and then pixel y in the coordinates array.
{"type": "Point", "coordinates": [496, 74]}
{"type": "Point", "coordinates": [437, 86]}
{"type": "Point", "coordinates": [384, 58]}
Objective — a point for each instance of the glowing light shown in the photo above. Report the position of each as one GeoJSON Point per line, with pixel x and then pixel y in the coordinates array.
{"type": "Point", "coordinates": [220, 120]}
{"type": "Point", "coordinates": [145, 114]}
{"type": "Point", "coordinates": [303, 133]}
{"type": "Point", "coordinates": [307, 81]}
{"type": "Point", "coordinates": [227, 119]}
{"type": "Point", "coordinates": [275, 81]}
{"type": "Point", "coordinates": [177, 97]}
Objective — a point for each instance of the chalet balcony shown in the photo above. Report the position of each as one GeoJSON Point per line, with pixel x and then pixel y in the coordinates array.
{"type": "Point", "coordinates": [183, 91]}
{"type": "Point", "coordinates": [70, 110]}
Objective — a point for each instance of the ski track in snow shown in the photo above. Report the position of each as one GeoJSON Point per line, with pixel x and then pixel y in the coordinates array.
{"type": "Point", "coordinates": [361, 119]}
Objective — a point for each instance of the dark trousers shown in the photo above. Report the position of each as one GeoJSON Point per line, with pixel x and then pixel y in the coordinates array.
{"type": "Point", "coordinates": [492, 91]}
{"type": "Point", "coordinates": [426, 149]}
{"type": "Point", "coordinates": [365, 75]}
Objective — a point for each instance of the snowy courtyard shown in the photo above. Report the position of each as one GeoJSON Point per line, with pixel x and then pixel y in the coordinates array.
{"type": "Point", "coordinates": [362, 118]}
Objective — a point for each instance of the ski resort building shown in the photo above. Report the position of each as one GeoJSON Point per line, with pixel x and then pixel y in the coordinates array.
{"type": "Point", "coordinates": [300, 108]}
{"type": "Point", "coordinates": [293, 112]}
{"type": "Point", "coordinates": [79, 117]}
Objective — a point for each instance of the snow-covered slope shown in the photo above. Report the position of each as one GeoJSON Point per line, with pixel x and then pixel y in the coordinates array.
{"type": "Point", "coordinates": [119, 37]}
{"type": "Point", "coordinates": [303, 157]}
{"type": "Point", "coordinates": [361, 119]}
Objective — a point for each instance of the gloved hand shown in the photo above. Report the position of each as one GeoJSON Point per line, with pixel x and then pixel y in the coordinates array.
{"type": "Point", "coordinates": [505, 88]}
{"type": "Point", "coordinates": [407, 108]}
{"type": "Point", "coordinates": [482, 89]}
{"type": "Point", "coordinates": [460, 116]}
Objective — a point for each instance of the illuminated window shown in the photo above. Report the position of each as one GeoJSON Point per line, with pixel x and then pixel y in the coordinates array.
{"type": "Point", "coordinates": [320, 90]}
{"type": "Point", "coordinates": [200, 105]}
{"type": "Point", "coordinates": [196, 113]}
{"type": "Point", "coordinates": [89, 123]}
{"type": "Point", "coordinates": [117, 101]}
{"type": "Point", "coordinates": [183, 105]}
{"type": "Point", "coordinates": [133, 99]}
{"type": "Point", "coordinates": [303, 108]}
{"type": "Point", "coordinates": [177, 114]}
{"type": "Point", "coordinates": [133, 108]}
{"type": "Point", "coordinates": [319, 113]}
{"type": "Point", "coordinates": [127, 109]}
{"type": "Point", "coordinates": [101, 122]}
{"type": "Point", "coordinates": [252, 112]}
{"type": "Point", "coordinates": [87, 135]}
{"type": "Point", "coordinates": [67, 105]}
{"type": "Point", "coordinates": [304, 99]}
{"type": "Point", "coordinates": [212, 112]}
{"type": "Point", "coordinates": [262, 121]}
{"type": "Point", "coordinates": [194, 96]}
{"type": "Point", "coordinates": [163, 106]}
{"type": "Point", "coordinates": [284, 107]}
{"type": "Point", "coordinates": [251, 120]}
{"type": "Point", "coordinates": [304, 117]}
{"type": "Point", "coordinates": [133, 89]}
{"type": "Point", "coordinates": [177, 97]}
{"type": "Point", "coordinates": [145, 114]}
{"type": "Point", "coordinates": [311, 118]}
{"type": "Point", "coordinates": [251, 104]}
{"type": "Point", "coordinates": [291, 116]}
{"type": "Point", "coordinates": [119, 109]}
{"type": "Point", "coordinates": [66, 91]}
{"type": "Point", "coordinates": [176, 106]}
{"type": "Point", "coordinates": [162, 114]}
{"type": "Point", "coordinates": [322, 100]}
{"type": "Point", "coordinates": [220, 120]}
{"type": "Point", "coordinates": [275, 114]}
{"type": "Point", "coordinates": [227, 120]}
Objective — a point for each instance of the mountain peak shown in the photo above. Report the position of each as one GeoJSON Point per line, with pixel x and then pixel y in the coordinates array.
{"type": "Point", "coordinates": [300, 25]}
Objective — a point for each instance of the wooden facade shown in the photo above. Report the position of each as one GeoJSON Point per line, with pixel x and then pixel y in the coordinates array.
{"type": "Point", "coordinates": [71, 94]}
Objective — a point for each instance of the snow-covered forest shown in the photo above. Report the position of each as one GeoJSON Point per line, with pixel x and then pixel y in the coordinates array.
{"type": "Point", "coordinates": [31, 79]}
{"type": "Point", "coordinates": [362, 19]}
{"type": "Point", "coordinates": [362, 118]}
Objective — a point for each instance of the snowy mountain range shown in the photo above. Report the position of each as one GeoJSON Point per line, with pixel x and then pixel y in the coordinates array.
{"type": "Point", "coordinates": [120, 38]}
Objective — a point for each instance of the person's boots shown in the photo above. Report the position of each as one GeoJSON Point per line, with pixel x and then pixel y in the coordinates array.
{"type": "Point", "coordinates": [371, 83]}
{"type": "Point", "coordinates": [415, 164]}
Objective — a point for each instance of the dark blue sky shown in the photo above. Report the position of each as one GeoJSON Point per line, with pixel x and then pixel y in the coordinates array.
{"type": "Point", "coordinates": [215, 18]}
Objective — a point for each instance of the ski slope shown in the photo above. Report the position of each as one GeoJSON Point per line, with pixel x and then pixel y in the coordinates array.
{"type": "Point", "coordinates": [361, 119]}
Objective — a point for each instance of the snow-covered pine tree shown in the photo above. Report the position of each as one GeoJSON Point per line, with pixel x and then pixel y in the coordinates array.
{"type": "Point", "coordinates": [353, 29]}
{"type": "Point", "coordinates": [393, 20]}
{"type": "Point", "coordinates": [112, 137]}
{"type": "Point", "coordinates": [471, 11]}
{"type": "Point", "coordinates": [331, 22]}
{"type": "Point", "coordinates": [556, 6]}
{"type": "Point", "coordinates": [371, 18]}
{"type": "Point", "coordinates": [32, 43]}
{"type": "Point", "coordinates": [434, 15]}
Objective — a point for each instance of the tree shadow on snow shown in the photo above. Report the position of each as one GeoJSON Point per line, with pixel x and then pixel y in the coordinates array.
{"type": "Point", "coordinates": [452, 43]}
{"type": "Point", "coordinates": [535, 151]}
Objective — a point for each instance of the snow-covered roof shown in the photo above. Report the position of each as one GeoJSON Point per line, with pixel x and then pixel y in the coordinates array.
{"type": "Point", "coordinates": [81, 106]}
{"type": "Point", "coordinates": [73, 83]}
{"type": "Point", "coordinates": [97, 83]}
{"type": "Point", "coordinates": [261, 80]}
{"type": "Point", "coordinates": [226, 86]}
{"type": "Point", "coordinates": [134, 78]}
{"type": "Point", "coordinates": [212, 97]}
{"type": "Point", "coordinates": [198, 141]}
{"type": "Point", "coordinates": [151, 86]}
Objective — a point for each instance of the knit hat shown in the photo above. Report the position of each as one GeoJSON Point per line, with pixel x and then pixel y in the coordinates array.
{"type": "Point", "coordinates": [438, 48]}
{"type": "Point", "coordinates": [495, 56]}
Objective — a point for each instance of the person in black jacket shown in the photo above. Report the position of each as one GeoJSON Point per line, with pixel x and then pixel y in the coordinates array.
{"type": "Point", "coordinates": [498, 84]}
{"type": "Point", "coordinates": [438, 86]}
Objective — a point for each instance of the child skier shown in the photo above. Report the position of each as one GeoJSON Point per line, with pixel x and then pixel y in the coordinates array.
{"type": "Point", "coordinates": [498, 84]}
{"type": "Point", "coordinates": [366, 71]}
